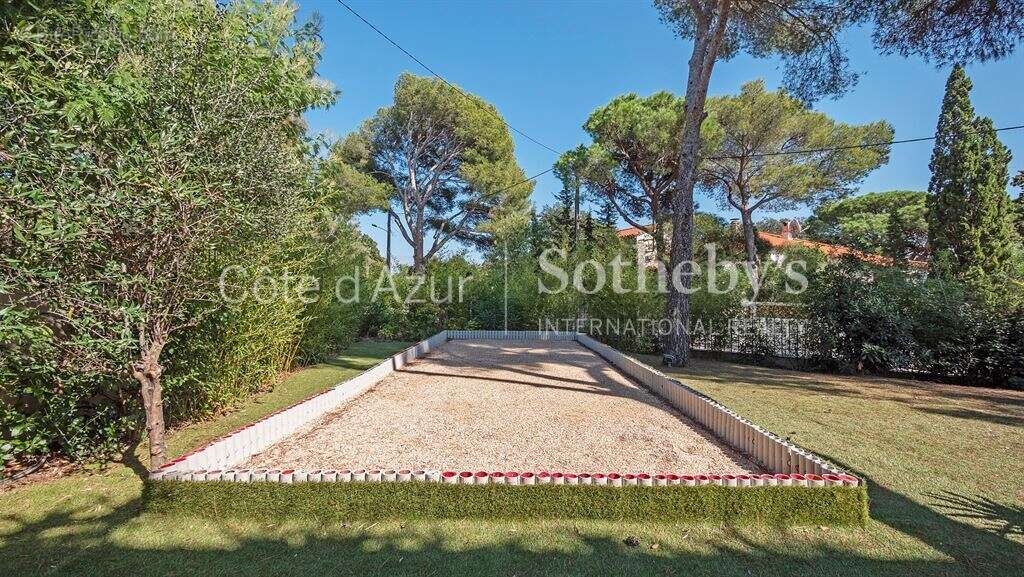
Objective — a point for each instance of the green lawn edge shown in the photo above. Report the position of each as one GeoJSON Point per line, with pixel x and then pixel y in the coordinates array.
{"type": "Point", "coordinates": [785, 506]}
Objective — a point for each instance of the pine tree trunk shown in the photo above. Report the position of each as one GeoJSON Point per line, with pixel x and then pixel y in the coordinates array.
{"type": "Point", "coordinates": [418, 264]}
{"type": "Point", "coordinates": [748, 235]}
{"type": "Point", "coordinates": [147, 371]}
{"type": "Point", "coordinates": [705, 51]}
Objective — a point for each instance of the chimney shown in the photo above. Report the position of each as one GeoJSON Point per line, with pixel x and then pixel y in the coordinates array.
{"type": "Point", "coordinates": [787, 229]}
{"type": "Point", "coordinates": [734, 225]}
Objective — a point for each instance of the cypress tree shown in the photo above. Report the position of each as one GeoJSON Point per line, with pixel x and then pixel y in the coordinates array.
{"type": "Point", "coordinates": [897, 246]}
{"type": "Point", "coordinates": [970, 229]}
{"type": "Point", "coordinates": [1018, 204]}
{"type": "Point", "coordinates": [566, 200]}
{"type": "Point", "coordinates": [607, 216]}
{"type": "Point", "coordinates": [588, 228]}
{"type": "Point", "coordinates": [569, 169]}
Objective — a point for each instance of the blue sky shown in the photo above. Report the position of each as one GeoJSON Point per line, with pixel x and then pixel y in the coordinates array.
{"type": "Point", "coordinates": [547, 65]}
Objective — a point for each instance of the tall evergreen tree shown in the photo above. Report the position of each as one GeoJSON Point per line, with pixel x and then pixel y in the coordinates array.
{"type": "Point", "coordinates": [607, 216]}
{"type": "Point", "coordinates": [588, 229]}
{"type": "Point", "coordinates": [897, 247]}
{"type": "Point", "coordinates": [569, 168]}
{"type": "Point", "coordinates": [969, 213]}
{"type": "Point", "coordinates": [567, 225]}
{"type": "Point", "coordinates": [1018, 181]}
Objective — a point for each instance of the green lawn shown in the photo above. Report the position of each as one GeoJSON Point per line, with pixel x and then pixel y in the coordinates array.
{"type": "Point", "coordinates": [944, 463]}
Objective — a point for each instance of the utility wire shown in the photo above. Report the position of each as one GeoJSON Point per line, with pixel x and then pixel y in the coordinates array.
{"type": "Point", "coordinates": [443, 79]}
{"type": "Point", "coordinates": [807, 151]}
{"type": "Point", "coordinates": [525, 180]}
{"type": "Point", "coordinates": [848, 147]}
{"type": "Point", "coordinates": [541, 144]}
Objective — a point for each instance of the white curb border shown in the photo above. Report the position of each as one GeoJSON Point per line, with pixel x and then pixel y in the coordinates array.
{"type": "Point", "coordinates": [236, 447]}
{"type": "Point", "coordinates": [770, 451]}
{"type": "Point", "coordinates": [789, 465]}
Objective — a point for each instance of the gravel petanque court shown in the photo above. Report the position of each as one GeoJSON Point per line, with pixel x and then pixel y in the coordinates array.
{"type": "Point", "coordinates": [507, 406]}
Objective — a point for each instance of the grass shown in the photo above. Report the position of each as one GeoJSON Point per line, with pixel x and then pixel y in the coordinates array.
{"type": "Point", "coordinates": [833, 506]}
{"type": "Point", "coordinates": [943, 465]}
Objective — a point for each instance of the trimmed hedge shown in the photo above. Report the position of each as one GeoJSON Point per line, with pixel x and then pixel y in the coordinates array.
{"type": "Point", "coordinates": [273, 501]}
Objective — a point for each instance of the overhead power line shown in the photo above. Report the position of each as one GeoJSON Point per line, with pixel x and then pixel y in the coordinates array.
{"type": "Point", "coordinates": [848, 147]}
{"type": "Point", "coordinates": [442, 78]}
{"type": "Point", "coordinates": [542, 145]}
{"type": "Point", "coordinates": [525, 180]}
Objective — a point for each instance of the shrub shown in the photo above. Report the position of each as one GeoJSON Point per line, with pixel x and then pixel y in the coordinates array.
{"type": "Point", "coordinates": [883, 320]}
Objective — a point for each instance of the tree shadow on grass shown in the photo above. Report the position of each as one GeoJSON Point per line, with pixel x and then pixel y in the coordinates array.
{"type": "Point", "coordinates": [333, 550]}
{"type": "Point", "coordinates": [977, 550]}
{"type": "Point", "coordinates": [130, 459]}
{"type": "Point", "coordinates": [124, 541]}
{"type": "Point", "coordinates": [996, 406]}
{"type": "Point", "coordinates": [1001, 519]}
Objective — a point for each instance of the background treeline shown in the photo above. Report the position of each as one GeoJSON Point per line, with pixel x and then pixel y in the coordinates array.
{"type": "Point", "coordinates": [857, 316]}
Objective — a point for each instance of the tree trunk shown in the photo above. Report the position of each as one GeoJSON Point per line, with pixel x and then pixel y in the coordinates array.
{"type": "Point", "coordinates": [748, 235]}
{"type": "Point", "coordinates": [418, 264]}
{"type": "Point", "coordinates": [147, 371]}
{"type": "Point", "coordinates": [576, 217]}
{"type": "Point", "coordinates": [677, 342]}
{"type": "Point", "coordinates": [706, 43]}
{"type": "Point", "coordinates": [660, 242]}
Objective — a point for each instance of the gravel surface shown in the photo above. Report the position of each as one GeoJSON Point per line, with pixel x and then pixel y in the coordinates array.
{"type": "Point", "coordinates": [506, 405]}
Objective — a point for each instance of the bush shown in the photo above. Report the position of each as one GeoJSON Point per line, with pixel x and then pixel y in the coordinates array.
{"type": "Point", "coordinates": [883, 320]}
{"type": "Point", "coordinates": [861, 317]}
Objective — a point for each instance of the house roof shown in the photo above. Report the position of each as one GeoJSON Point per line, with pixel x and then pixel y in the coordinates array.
{"type": "Point", "coordinates": [630, 232]}
{"type": "Point", "coordinates": [833, 250]}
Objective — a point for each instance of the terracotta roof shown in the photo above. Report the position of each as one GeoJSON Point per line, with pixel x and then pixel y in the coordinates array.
{"type": "Point", "coordinates": [629, 232]}
{"type": "Point", "coordinates": [833, 250]}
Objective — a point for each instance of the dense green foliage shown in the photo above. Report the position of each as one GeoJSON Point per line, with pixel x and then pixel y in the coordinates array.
{"type": "Point", "coordinates": [835, 506]}
{"type": "Point", "coordinates": [862, 221]}
{"type": "Point", "coordinates": [970, 222]}
{"type": "Point", "coordinates": [148, 145]}
{"type": "Point", "coordinates": [1018, 204]}
{"type": "Point", "coordinates": [421, 305]}
{"type": "Point", "coordinates": [882, 320]}
{"type": "Point", "coordinates": [448, 163]}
